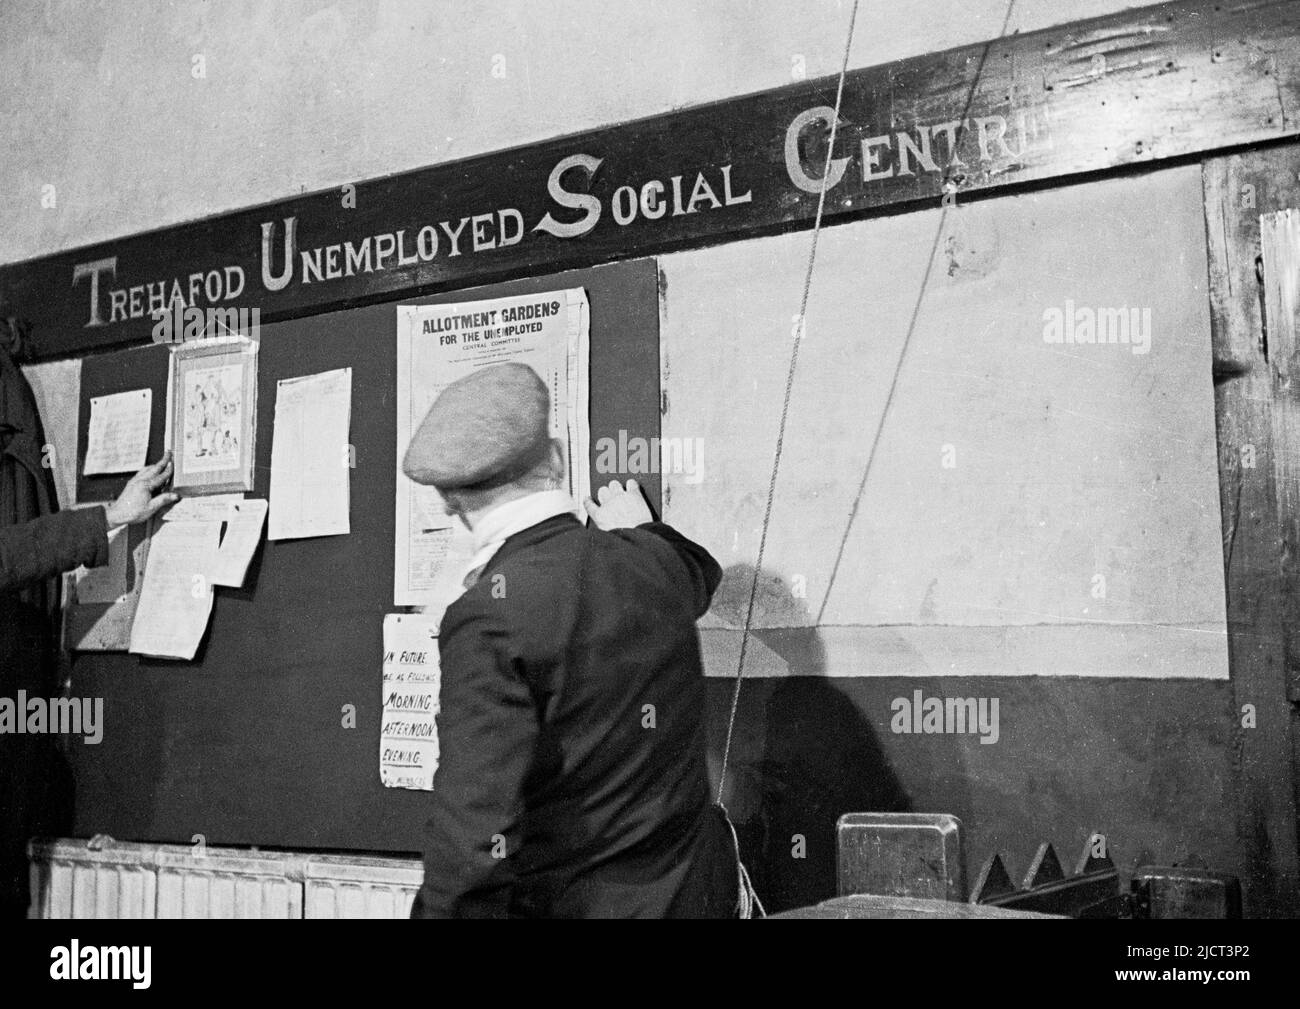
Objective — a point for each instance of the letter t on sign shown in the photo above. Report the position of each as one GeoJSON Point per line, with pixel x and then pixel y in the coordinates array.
{"type": "Point", "coordinates": [93, 270]}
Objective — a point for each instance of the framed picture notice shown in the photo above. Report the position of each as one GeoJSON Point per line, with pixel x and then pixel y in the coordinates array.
{"type": "Point", "coordinates": [213, 415]}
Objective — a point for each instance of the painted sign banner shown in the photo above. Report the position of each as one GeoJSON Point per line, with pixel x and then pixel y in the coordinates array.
{"type": "Point", "coordinates": [1137, 86]}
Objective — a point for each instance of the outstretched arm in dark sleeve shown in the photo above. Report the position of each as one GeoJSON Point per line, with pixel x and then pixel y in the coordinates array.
{"type": "Point", "coordinates": [703, 571]}
{"type": "Point", "coordinates": [52, 544]}
{"type": "Point", "coordinates": [624, 511]}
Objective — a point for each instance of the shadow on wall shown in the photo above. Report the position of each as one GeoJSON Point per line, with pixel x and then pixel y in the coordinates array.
{"type": "Point", "coordinates": [802, 753]}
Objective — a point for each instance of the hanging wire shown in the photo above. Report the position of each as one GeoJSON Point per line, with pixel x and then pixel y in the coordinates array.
{"type": "Point", "coordinates": [748, 900]}
{"type": "Point", "coordinates": [949, 186]}
{"type": "Point", "coordinates": [785, 404]}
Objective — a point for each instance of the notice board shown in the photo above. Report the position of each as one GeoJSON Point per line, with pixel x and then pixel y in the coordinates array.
{"type": "Point", "coordinates": [249, 744]}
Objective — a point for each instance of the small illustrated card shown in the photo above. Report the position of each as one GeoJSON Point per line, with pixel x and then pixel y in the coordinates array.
{"type": "Point", "coordinates": [213, 415]}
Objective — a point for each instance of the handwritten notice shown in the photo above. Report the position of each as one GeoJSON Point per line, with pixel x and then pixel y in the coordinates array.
{"type": "Point", "coordinates": [210, 508]}
{"type": "Point", "coordinates": [176, 598]}
{"type": "Point", "coordinates": [311, 459]}
{"type": "Point", "coordinates": [241, 521]}
{"type": "Point", "coordinates": [408, 740]}
{"type": "Point", "coordinates": [244, 522]}
{"type": "Point", "coordinates": [118, 439]}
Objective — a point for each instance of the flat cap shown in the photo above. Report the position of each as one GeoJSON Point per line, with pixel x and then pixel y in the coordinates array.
{"type": "Point", "coordinates": [486, 428]}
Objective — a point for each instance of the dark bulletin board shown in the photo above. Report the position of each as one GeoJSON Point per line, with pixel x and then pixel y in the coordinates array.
{"type": "Point", "coordinates": [246, 745]}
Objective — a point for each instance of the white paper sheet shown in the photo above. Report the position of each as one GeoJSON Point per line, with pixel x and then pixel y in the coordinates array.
{"type": "Point", "coordinates": [207, 508]}
{"type": "Point", "coordinates": [437, 344]}
{"type": "Point", "coordinates": [176, 597]}
{"type": "Point", "coordinates": [243, 532]}
{"type": "Point", "coordinates": [311, 456]}
{"type": "Point", "coordinates": [408, 739]}
{"type": "Point", "coordinates": [118, 438]}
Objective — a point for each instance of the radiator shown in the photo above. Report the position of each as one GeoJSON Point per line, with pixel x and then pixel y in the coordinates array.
{"type": "Point", "coordinates": [70, 879]}
{"type": "Point", "coordinates": [223, 883]}
{"type": "Point", "coordinates": [339, 887]}
{"type": "Point", "coordinates": [117, 879]}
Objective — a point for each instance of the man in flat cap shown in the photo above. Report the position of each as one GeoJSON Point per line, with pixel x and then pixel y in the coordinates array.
{"type": "Point", "coordinates": [571, 779]}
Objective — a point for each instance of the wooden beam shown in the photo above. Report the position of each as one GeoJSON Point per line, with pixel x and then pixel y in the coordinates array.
{"type": "Point", "coordinates": [1258, 420]}
{"type": "Point", "coordinates": [1139, 86]}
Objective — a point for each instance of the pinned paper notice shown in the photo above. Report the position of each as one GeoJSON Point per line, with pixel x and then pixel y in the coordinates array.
{"type": "Point", "coordinates": [244, 521]}
{"type": "Point", "coordinates": [241, 521]}
{"type": "Point", "coordinates": [208, 508]}
{"type": "Point", "coordinates": [311, 458]}
{"type": "Point", "coordinates": [118, 439]}
{"type": "Point", "coordinates": [176, 597]}
{"type": "Point", "coordinates": [408, 741]}
{"type": "Point", "coordinates": [438, 344]}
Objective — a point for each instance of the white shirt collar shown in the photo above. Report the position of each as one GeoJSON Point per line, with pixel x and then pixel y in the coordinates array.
{"type": "Point", "coordinates": [502, 522]}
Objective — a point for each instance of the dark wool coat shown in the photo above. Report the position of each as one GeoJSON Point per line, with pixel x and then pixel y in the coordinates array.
{"type": "Point", "coordinates": [36, 544]}
{"type": "Point", "coordinates": [571, 779]}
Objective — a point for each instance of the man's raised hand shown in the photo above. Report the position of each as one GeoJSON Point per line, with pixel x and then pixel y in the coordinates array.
{"type": "Point", "coordinates": [137, 501]}
{"type": "Point", "coordinates": [619, 508]}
